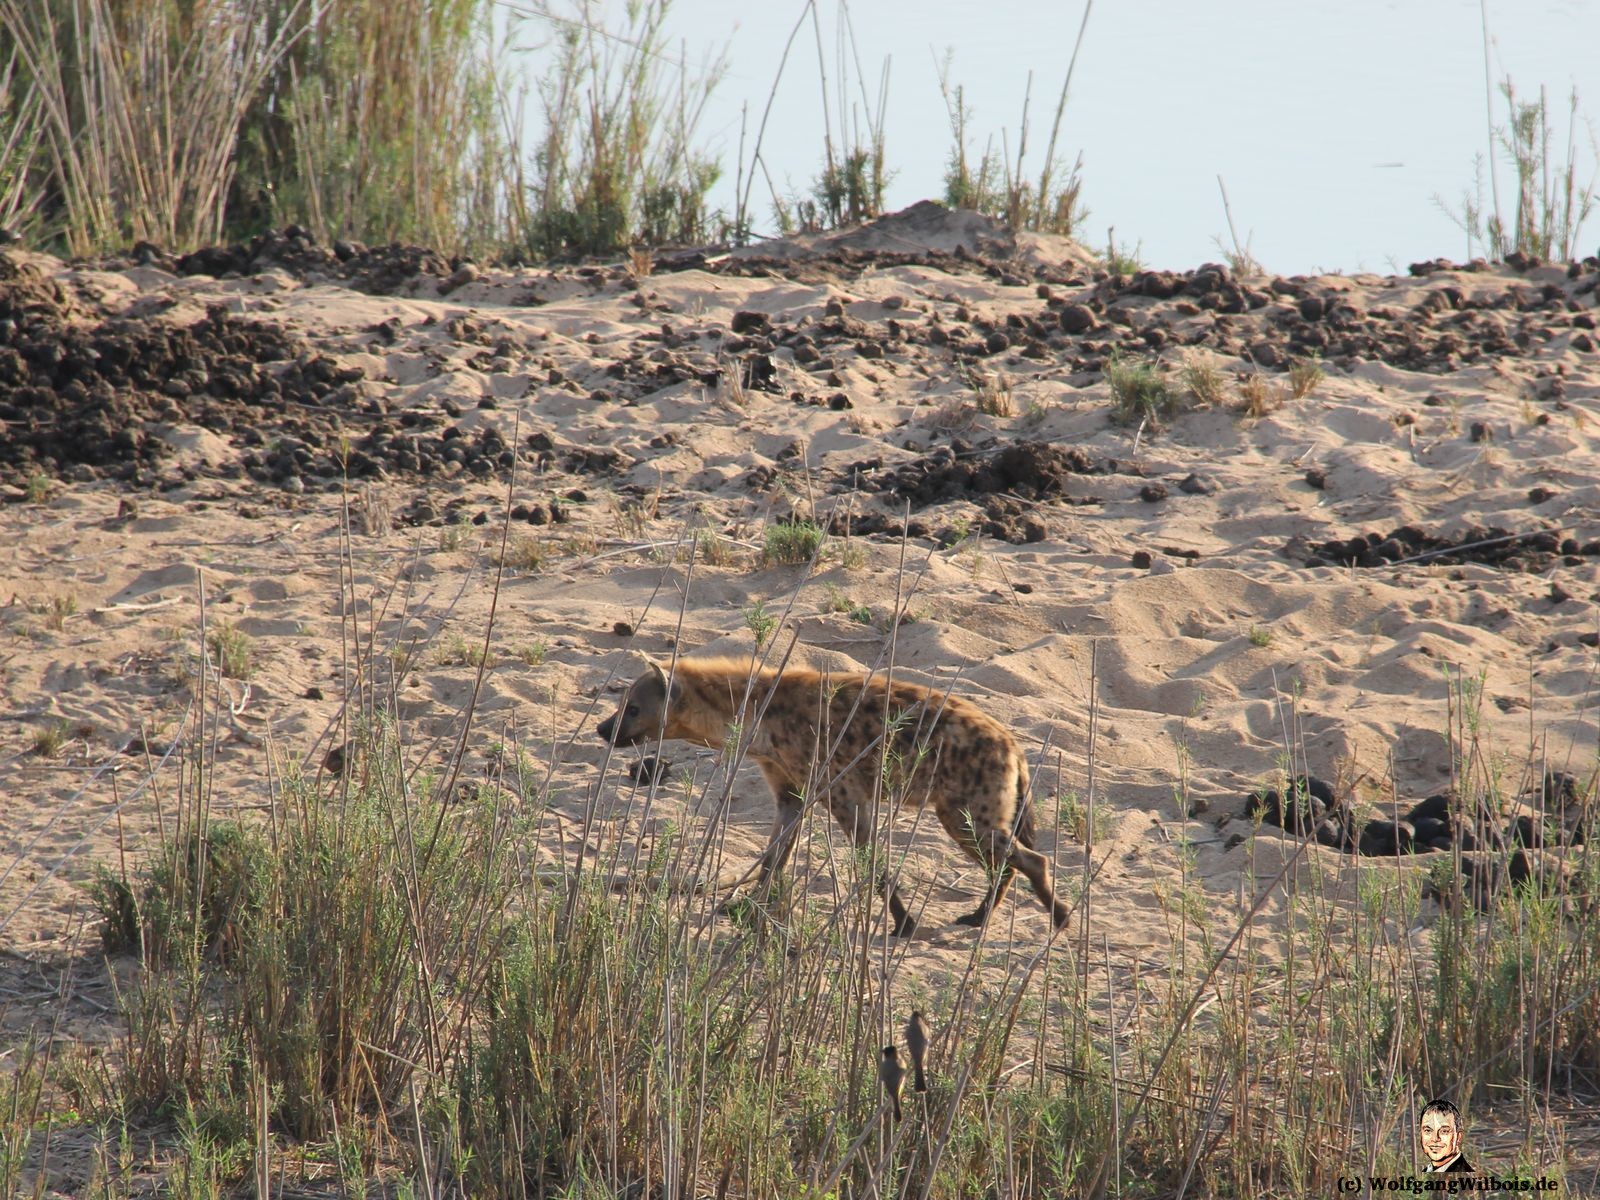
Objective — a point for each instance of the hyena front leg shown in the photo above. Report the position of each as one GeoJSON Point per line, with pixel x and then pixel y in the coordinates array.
{"type": "Point", "coordinates": [859, 830]}
{"type": "Point", "coordinates": [789, 811]}
{"type": "Point", "coordinates": [989, 849]}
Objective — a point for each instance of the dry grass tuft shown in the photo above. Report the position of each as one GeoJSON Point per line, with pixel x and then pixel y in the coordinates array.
{"type": "Point", "coordinates": [1259, 396]}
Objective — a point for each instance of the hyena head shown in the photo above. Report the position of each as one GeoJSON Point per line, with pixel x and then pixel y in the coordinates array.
{"type": "Point", "coordinates": [642, 714]}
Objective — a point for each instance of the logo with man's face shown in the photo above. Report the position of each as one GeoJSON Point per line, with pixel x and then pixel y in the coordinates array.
{"type": "Point", "coordinates": [1441, 1132]}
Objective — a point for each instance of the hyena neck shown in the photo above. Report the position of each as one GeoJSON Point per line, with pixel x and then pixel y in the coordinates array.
{"type": "Point", "coordinates": [713, 700]}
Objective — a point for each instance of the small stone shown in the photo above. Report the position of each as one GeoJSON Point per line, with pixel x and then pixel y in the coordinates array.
{"type": "Point", "coordinates": [647, 770]}
{"type": "Point", "coordinates": [338, 760]}
{"type": "Point", "coordinates": [1141, 560]}
{"type": "Point", "coordinates": [1151, 493]}
{"type": "Point", "coordinates": [622, 629]}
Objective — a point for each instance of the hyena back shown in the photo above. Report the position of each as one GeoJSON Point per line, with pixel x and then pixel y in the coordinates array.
{"type": "Point", "coordinates": [822, 735]}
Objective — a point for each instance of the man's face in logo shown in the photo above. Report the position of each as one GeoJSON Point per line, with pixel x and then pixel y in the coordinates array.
{"type": "Point", "coordinates": [1441, 1137]}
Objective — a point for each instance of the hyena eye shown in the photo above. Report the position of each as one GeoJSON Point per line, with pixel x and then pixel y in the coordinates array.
{"type": "Point", "coordinates": [631, 711]}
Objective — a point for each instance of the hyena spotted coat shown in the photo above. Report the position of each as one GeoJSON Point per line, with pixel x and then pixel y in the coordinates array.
{"type": "Point", "coordinates": [821, 735]}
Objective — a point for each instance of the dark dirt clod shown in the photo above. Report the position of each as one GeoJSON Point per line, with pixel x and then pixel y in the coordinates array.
{"type": "Point", "coordinates": [1494, 546]}
{"type": "Point", "coordinates": [1030, 470]}
{"type": "Point", "coordinates": [87, 400]}
{"type": "Point", "coordinates": [379, 270]}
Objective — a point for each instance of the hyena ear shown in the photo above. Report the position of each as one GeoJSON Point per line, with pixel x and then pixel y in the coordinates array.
{"type": "Point", "coordinates": [659, 672]}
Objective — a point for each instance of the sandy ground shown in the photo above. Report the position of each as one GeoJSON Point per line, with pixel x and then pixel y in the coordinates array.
{"type": "Point", "coordinates": [719, 394]}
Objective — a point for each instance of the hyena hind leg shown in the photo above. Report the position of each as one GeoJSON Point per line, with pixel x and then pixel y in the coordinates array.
{"type": "Point", "coordinates": [1037, 868]}
{"type": "Point", "coordinates": [1012, 855]}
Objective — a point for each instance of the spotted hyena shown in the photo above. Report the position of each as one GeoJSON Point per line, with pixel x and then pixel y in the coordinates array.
{"type": "Point", "coordinates": [822, 735]}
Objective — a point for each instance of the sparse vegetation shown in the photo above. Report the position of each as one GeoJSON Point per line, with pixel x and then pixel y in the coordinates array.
{"type": "Point", "coordinates": [458, 650]}
{"type": "Point", "coordinates": [525, 553]}
{"type": "Point", "coordinates": [991, 391]}
{"type": "Point", "coordinates": [760, 622]}
{"type": "Point", "coordinates": [852, 554]}
{"type": "Point", "coordinates": [51, 738]}
{"type": "Point", "coordinates": [1081, 821]}
{"type": "Point", "coordinates": [1304, 377]}
{"type": "Point", "coordinates": [839, 602]}
{"type": "Point", "coordinates": [1203, 379]}
{"type": "Point", "coordinates": [958, 414]}
{"type": "Point", "coordinates": [1260, 637]}
{"type": "Point", "coordinates": [1121, 261]}
{"type": "Point", "coordinates": [1551, 202]}
{"type": "Point", "coordinates": [1259, 396]}
{"type": "Point", "coordinates": [533, 654]}
{"type": "Point", "coordinates": [998, 184]}
{"type": "Point", "coordinates": [232, 649]}
{"type": "Point", "coordinates": [1034, 414]}
{"type": "Point", "coordinates": [55, 610]}
{"type": "Point", "coordinates": [713, 550]}
{"type": "Point", "coordinates": [40, 488]}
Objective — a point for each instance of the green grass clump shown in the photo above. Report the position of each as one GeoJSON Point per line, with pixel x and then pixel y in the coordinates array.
{"type": "Point", "coordinates": [320, 969]}
{"type": "Point", "coordinates": [839, 602]}
{"type": "Point", "coordinates": [233, 650]}
{"type": "Point", "coordinates": [1140, 393]}
{"type": "Point", "coordinates": [193, 900]}
{"type": "Point", "coordinates": [791, 543]}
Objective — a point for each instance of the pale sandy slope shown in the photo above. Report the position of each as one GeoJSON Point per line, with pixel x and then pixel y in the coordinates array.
{"type": "Point", "coordinates": [1191, 706]}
